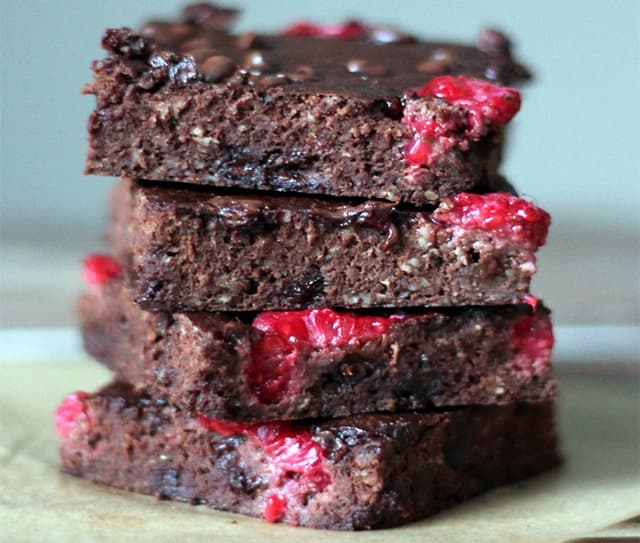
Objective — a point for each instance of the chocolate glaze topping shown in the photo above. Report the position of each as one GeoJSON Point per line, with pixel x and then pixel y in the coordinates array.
{"type": "Point", "coordinates": [379, 63]}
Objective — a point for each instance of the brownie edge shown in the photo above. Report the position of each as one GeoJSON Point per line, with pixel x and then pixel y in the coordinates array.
{"type": "Point", "coordinates": [289, 113]}
{"type": "Point", "coordinates": [362, 472]}
{"type": "Point", "coordinates": [213, 363]}
{"type": "Point", "coordinates": [192, 250]}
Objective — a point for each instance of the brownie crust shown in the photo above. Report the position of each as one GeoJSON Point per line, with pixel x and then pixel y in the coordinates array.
{"type": "Point", "coordinates": [189, 250]}
{"type": "Point", "coordinates": [384, 470]}
{"type": "Point", "coordinates": [188, 101]}
{"type": "Point", "coordinates": [204, 361]}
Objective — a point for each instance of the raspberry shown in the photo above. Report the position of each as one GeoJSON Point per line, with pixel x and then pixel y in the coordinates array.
{"type": "Point", "coordinates": [485, 104]}
{"type": "Point", "coordinates": [97, 269]}
{"type": "Point", "coordinates": [499, 212]}
{"type": "Point", "coordinates": [531, 344]}
{"type": "Point", "coordinates": [221, 427]}
{"type": "Point", "coordinates": [346, 31]}
{"type": "Point", "coordinates": [288, 334]}
{"type": "Point", "coordinates": [275, 507]}
{"type": "Point", "coordinates": [69, 412]}
{"type": "Point", "coordinates": [297, 462]}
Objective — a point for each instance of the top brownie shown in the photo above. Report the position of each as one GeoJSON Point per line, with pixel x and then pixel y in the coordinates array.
{"type": "Point", "coordinates": [344, 110]}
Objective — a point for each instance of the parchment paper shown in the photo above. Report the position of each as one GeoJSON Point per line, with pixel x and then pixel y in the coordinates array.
{"type": "Point", "coordinates": [598, 485]}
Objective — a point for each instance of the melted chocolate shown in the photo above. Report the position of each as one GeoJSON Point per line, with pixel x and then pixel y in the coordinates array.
{"type": "Point", "coordinates": [380, 63]}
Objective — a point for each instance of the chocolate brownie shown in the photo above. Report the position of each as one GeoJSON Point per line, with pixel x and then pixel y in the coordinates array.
{"type": "Point", "coordinates": [189, 250]}
{"type": "Point", "coordinates": [367, 471]}
{"type": "Point", "coordinates": [318, 363]}
{"type": "Point", "coordinates": [348, 110]}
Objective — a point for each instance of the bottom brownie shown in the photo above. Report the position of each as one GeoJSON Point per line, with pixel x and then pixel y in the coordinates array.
{"type": "Point", "coordinates": [362, 472]}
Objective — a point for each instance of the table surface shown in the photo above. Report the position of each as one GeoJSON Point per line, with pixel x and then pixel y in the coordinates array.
{"type": "Point", "coordinates": [598, 485]}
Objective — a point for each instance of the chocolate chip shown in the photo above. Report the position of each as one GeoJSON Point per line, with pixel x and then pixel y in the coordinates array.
{"type": "Point", "coordinates": [167, 32]}
{"type": "Point", "coordinates": [493, 42]}
{"type": "Point", "coordinates": [358, 66]}
{"type": "Point", "coordinates": [126, 42]}
{"type": "Point", "coordinates": [198, 42]}
{"type": "Point", "coordinates": [201, 55]}
{"type": "Point", "coordinates": [302, 74]}
{"type": "Point", "coordinates": [208, 15]}
{"type": "Point", "coordinates": [440, 61]}
{"type": "Point", "coordinates": [387, 34]}
{"type": "Point", "coordinates": [255, 63]}
{"type": "Point", "coordinates": [248, 40]}
{"type": "Point", "coordinates": [392, 108]}
{"type": "Point", "coordinates": [216, 68]}
{"type": "Point", "coordinates": [269, 80]}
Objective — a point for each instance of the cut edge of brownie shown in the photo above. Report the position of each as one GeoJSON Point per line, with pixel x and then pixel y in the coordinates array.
{"type": "Point", "coordinates": [355, 473]}
{"type": "Point", "coordinates": [240, 366]}
{"type": "Point", "coordinates": [190, 250]}
{"type": "Point", "coordinates": [335, 131]}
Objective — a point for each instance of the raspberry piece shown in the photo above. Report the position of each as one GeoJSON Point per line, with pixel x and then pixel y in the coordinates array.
{"type": "Point", "coordinates": [296, 461]}
{"type": "Point", "coordinates": [289, 334]}
{"type": "Point", "coordinates": [346, 31]}
{"type": "Point", "coordinates": [531, 344]}
{"type": "Point", "coordinates": [221, 427]}
{"type": "Point", "coordinates": [97, 269]}
{"type": "Point", "coordinates": [499, 212]}
{"type": "Point", "coordinates": [486, 104]}
{"type": "Point", "coordinates": [70, 411]}
{"type": "Point", "coordinates": [275, 507]}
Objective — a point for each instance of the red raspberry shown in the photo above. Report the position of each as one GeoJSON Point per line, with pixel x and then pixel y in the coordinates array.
{"type": "Point", "coordinates": [485, 102]}
{"type": "Point", "coordinates": [500, 212]}
{"type": "Point", "coordinates": [297, 461]}
{"type": "Point", "coordinates": [224, 428]}
{"type": "Point", "coordinates": [275, 507]}
{"type": "Point", "coordinates": [70, 411]}
{"type": "Point", "coordinates": [288, 334]}
{"type": "Point", "coordinates": [97, 269]}
{"type": "Point", "coordinates": [531, 344]}
{"type": "Point", "coordinates": [348, 30]}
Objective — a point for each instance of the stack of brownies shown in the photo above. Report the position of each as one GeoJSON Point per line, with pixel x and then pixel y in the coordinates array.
{"type": "Point", "coordinates": [317, 308]}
